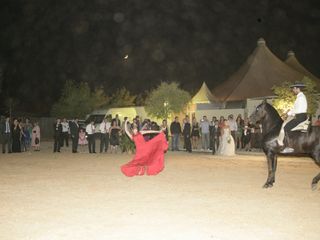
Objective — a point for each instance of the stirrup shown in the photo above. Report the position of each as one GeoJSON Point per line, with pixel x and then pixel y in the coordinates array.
{"type": "Point", "coordinates": [303, 126]}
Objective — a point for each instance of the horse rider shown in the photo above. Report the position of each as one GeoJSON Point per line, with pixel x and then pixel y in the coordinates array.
{"type": "Point", "coordinates": [296, 115]}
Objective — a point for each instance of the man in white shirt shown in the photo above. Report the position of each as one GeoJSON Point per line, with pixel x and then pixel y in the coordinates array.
{"type": "Point", "coordinates": [65, 132]}
{"type": "Point", "coordinates": [104, 135]}
{"type": "Point", "coordinates": [296, 115]}
{"type": "Point", "coordinates": [90, 130]}
{"type": "Point", "coordinates": [233, 126]}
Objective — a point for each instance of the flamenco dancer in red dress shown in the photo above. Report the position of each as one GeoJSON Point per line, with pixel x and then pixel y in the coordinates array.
{"type": "Point", "coordinates": [149, 157]}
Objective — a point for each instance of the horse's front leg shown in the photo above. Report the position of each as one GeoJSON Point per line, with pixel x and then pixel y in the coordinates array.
{"type": "Point", "coordinates": [272, 166]}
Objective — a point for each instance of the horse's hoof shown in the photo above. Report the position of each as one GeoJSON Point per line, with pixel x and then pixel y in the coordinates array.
{"type": "Point", "coordinates": [267, 185]}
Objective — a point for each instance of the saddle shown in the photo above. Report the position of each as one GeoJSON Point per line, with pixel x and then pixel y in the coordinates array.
{"type": "Point", "coordinates": [303, 126]}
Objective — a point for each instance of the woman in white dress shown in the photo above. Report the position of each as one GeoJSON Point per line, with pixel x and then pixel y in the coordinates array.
{"type": "Point", "coordinates": [227, 146]}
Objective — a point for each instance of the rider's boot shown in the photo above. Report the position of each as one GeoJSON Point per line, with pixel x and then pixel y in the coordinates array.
{"type": "Point", "coordinates": [287, 149]}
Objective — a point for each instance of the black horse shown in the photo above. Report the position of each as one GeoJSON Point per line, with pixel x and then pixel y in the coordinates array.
{"type": "Point", "coordinates": [306, 143]}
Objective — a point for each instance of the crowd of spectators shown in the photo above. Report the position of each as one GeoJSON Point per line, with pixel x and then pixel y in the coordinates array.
{"type": "Point", "coordinates": [206, 135]}
{"type": "Point", "coordinates": [19, 135]}
{"type": "Point", "coordinates": [109, 133]}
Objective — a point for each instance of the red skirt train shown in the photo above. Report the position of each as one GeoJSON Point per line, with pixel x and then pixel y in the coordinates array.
{"type": "Point", "coordinates": [149, 157]}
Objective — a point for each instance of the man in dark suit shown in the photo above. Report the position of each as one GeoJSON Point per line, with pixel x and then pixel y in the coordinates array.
{"type": "Point", "coordinates": [57, 132]}
{"type": "Point", "coordinates": [6, 137]}
{"type": "Point", "coordinates": [74, 131]}
{"type": "Point", "coordinates": [117, 120]}
{"type": "Point", "coordinates": [187, 134]}
{"type": "Point", "coordinates": [215, 135]}
{"type": "Point", "coordinates": [175, 129]}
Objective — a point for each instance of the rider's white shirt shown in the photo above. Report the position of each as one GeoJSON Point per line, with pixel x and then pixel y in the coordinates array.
{"type": "Point", "coordinates": [300, 105]}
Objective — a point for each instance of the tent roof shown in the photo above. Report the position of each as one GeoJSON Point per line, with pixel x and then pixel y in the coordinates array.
{"type": "Point", "coordinates": [204, 95]}
{"type": "Point", "coordinates": [256, 77]}
{"type": "Point", "coordinates": [293, 62]}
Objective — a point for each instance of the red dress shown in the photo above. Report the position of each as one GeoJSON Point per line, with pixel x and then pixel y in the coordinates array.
{"type": "Point", "coordinates": [149, 157]}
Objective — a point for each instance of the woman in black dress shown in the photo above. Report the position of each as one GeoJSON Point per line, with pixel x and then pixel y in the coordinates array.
{"type": "Point", "coordinates": [186, 134]}
{"type": "Point", "coordinates": [164, 128]}
{"type": "Point", "coordinates": [114, 137]}
{"type": "Point", "coordinates": [16, 136]}
{"type": "Point", "coordinates": [195, 133]}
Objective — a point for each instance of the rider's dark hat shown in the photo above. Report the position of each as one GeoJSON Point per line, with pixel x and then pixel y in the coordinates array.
{"type": "Point", "coordinates": [298, 85]}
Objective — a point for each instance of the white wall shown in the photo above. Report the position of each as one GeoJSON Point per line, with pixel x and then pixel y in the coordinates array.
{"type": "Point", "coordinates": [218, 112]}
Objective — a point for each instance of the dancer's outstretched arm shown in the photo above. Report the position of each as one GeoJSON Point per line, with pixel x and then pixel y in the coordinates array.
{"type": "Point", "coordinates": [127, 130]}
{"type": "Point", "coordinates": [143, 127]}
{"type": "Point", "coordinates": [143, 132]}
{"type": "Point", "coordinates": [149, 132]}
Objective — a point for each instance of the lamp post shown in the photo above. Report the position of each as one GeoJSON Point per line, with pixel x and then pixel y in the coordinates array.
{"type": "Point", "coordinates": [166, 109]}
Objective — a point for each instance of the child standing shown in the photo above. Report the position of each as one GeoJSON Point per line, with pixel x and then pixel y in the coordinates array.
{"type": "Point", "coordinates": [82, 140]}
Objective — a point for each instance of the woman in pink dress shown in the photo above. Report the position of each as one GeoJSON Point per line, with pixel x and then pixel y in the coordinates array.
{"type": "Point", "coordinates": [149, 157]}
{"type": "Point", "coordinates": [35, 143]}
{"type": "Point", "coordinates": [82, 140]}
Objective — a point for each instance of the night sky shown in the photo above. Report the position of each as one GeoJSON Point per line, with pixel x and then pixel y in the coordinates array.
{"type": "Point", "coordinates": [44, 43]}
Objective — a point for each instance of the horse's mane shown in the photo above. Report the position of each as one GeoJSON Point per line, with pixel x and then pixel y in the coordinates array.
{"type": "Point", "coordinates": [273, 113]}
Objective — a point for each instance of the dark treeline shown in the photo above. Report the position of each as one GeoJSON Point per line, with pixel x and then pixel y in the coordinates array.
{"type": "Point", "coordinates": [45, 43]}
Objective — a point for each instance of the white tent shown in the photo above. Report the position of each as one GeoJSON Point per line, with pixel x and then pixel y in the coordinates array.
{"type": "Point", "coordinates": [204, 95]}
{"type": "Point", "coordinates": [257, 76]}
{"type": "Point", "coordinates": [293, 62]}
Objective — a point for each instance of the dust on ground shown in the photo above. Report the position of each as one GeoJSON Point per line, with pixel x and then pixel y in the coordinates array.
{"type": "Point", "coordinates": [58, 196]}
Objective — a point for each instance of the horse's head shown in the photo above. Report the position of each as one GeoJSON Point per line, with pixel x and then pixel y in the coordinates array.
{"type": "Point", "coordinates": [266, 113]}
{"type": "Point", "coordinates": [260, 113]}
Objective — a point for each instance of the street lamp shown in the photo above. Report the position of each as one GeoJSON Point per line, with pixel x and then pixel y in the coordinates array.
{"type": "Point", "coordinates": [166, 109]}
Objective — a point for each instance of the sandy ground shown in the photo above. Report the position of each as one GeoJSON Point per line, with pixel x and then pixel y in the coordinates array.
{"type": "Point", "coordinates": [46, 196]}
